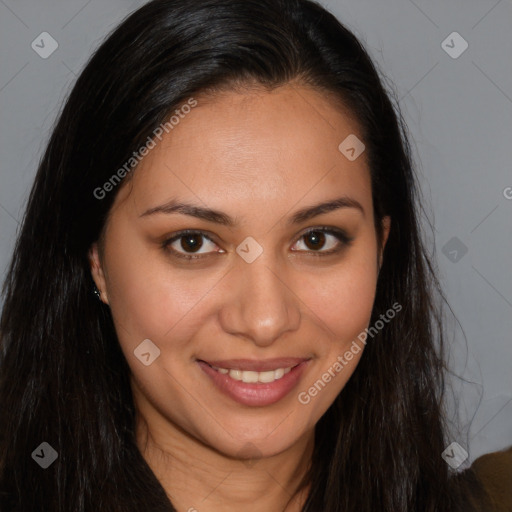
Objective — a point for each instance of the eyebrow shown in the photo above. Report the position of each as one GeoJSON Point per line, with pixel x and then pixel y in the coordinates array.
{"type": "Point", "coordinates": [218, 217]}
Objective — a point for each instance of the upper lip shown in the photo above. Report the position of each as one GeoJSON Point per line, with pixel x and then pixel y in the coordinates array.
{"type": "Point", "coordinates": [257, 365]}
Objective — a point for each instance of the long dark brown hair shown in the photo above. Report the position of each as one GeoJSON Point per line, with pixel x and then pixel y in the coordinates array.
{"type": "Point", "coordinates": [63, 377]}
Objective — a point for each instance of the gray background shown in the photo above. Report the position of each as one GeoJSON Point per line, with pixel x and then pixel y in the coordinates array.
{"type": "Point", "coordinates": [459, 113]}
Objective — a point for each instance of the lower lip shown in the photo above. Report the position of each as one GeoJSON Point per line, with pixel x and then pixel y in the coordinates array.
{"type": "Point", "coordinates": [255, 395]}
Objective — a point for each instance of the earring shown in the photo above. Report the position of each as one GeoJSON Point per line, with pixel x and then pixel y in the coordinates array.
{"type": "Point", "coordinates": [96, 291]}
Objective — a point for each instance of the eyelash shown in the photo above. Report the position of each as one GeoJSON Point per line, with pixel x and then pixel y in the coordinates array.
{"type": "Point", "coordinates": [343, 238]}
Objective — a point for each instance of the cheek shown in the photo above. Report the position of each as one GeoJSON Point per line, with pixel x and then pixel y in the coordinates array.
{"type": "Point", "coordinates": [342, 297]}
{"type": "Point", "coordinates": [344, 309]}
{"type": "Point", "coordinates": [147, 297]}
{"type": "Point", "coordinates": [343, 304]}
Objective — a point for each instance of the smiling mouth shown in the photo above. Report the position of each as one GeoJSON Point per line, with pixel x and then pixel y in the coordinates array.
{"type": "Point", "coordinates": [255, 382]}
{"type": "Point", "coordinates": [253, 377]}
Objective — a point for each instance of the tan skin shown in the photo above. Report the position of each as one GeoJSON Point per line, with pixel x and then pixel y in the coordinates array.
{"type": "Point", "coordinates": [258, 157]}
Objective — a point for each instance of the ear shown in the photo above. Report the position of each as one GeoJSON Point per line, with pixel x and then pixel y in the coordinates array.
{"type": "Point", "coordinates": [97, 271]}
{"type": "Point", "coordinates": [386, 227]}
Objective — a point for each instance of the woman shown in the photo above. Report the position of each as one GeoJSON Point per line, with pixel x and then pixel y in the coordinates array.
{"type": "Point", "coordinates": [219, 298]}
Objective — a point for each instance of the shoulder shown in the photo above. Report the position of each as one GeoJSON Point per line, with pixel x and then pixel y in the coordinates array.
{"type": "Point", "coordinates": [494, 473]}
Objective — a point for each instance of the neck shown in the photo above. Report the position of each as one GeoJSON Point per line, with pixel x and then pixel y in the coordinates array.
{"type": "Point", "coordinates": [198, 478]}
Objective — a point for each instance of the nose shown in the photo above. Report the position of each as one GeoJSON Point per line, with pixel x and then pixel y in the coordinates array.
{"type": "Point", "coordinates": [261, 306]}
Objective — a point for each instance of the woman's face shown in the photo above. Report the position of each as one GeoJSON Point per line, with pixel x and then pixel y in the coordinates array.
{"type": "Point", "coordinates": [259, 294]}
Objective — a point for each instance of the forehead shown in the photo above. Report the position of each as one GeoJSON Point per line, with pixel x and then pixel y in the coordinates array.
{"type": "Point", "coordinates": [254, 148]}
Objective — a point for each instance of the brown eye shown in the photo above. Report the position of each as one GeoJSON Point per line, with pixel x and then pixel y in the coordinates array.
{"type": "Point", "coordinates": [333, 240]}
{"type": "Point", "coordinates": [315, 240]}
{"type": "Point", "coordinates": [185, 243]}
{"type": "Point", "coordinates": [191, 242]}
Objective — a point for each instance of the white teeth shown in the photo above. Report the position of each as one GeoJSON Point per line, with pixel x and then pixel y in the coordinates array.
{"type": "Point", "coordinates": [253, 377]}
{"type": "Point", "coordinates": [235, 374]}
{"type": "Point", "coordinates": [280, 372]}
{"type": "Point", "coordinates": [250, 377]}
{"type": "Point", "coordinates": [270, 376]}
